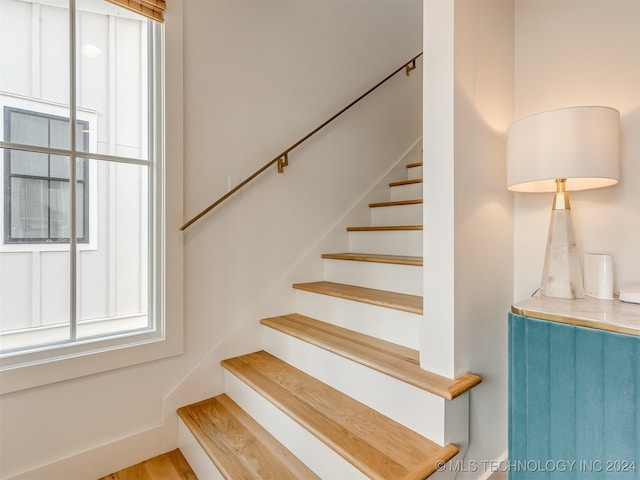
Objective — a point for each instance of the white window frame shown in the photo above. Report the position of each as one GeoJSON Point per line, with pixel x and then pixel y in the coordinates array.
{"type": "Point", "coordinates": [50, 365]}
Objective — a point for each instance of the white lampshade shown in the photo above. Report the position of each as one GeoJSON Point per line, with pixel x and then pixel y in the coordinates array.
{"type": "Point", "coordinates": [557, 151]}
{"type": "Point", "coordinates": [580, 144]}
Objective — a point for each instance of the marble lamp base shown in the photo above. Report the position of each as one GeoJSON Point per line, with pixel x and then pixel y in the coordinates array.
{"type": "Point", "coordinates": [562, 276]}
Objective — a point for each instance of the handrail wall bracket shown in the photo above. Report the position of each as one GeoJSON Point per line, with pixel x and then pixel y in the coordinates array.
{"type": "Point", "coordinates": [410, 67]}
{"type": "Point", "coordinates": [283, 161]}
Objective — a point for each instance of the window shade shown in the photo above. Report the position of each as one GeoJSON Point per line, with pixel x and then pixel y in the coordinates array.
{"type": "Point", "coordinates": [153, 9]}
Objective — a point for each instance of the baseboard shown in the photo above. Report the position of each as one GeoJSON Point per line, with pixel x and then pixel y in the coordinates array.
{"type": "Point", "coordinates": [100, 461]}
{"type": "Point", "coordinates": [499, 464]}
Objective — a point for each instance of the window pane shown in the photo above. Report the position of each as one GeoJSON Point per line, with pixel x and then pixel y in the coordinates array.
{"type": "Point", "coordinates": [59, 133]}
{"type": "Point", "coordinates": [112, 66]}
{"type": "Point", "coordinates": [80, 210]}
{"type": "Point", "coordinates": [29, 163]}
{"type": "Point", "coordinates": [113, 284]}
{"type": "Point", "coordinates": [81, 166]}
{"type": "Point", "coordinates": [29, 208]}
{"type": "Point", "coordinates": [59, 209]}
{"type": "Point", "coordinates": [28, 129]}
{"type": "Point", "coordinates": [59, 166]}
{"type": "Point", "coordinates": [16, 24]}
{"type": "Point", "coordinates": [82, 136]}
{"type": "Point", "coordinates": [35, 299]}
{"type": "Point", "coordinates": [35, 60]}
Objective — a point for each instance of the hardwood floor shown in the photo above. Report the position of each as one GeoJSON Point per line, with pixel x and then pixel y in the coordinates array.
{"type": "Point", "coordinates": [169, 466]}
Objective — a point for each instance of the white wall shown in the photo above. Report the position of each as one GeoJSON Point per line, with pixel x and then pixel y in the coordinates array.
{"type": "Point", "coordinates": [468, 100]}
{"type": "Point", "coordinates": [581, 53]}
{"type": "Point", "coordinates": [257, 75]}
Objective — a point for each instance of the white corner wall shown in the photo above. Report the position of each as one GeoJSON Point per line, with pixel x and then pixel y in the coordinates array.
{"type": "Point", "coordinates": [468, 213]}
{"type": "Point", "coordinates": [256, 76]}
{"type": "Point", "coordinates": [584, 52]}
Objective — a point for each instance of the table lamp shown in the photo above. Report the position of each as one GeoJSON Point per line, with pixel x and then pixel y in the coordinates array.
{"type": "Point", "coordinates": [575, 148]}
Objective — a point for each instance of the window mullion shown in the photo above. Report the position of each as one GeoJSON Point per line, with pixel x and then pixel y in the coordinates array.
{"type": "Point", "coordinates": [72, 173]}
{"type": "Point", "coordinates": [49, 181]}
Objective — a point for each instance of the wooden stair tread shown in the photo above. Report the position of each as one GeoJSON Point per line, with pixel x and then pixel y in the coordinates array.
{"type": "Point", "coordinates": [386, 357]}
{"type": "Point", "coordinates": [237, 444]}
{"type": "Point", "coordinates": [372, 296]}
{"type": "Point", "coordinates": [378, 446]}
{"type": "Point", "coordinates": [383, 228]}
{"type": "Point", "coordinates": [396, 203]}
{"type": "Point", "coordinates": [416, 164]}
{"type": "Point", "coordinates": [405, 182]}
{"type": "Point", "coordinates": [375, 258]}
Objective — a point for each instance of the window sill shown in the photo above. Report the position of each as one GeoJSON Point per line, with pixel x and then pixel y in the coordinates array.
{"type": "Point", "coordinates": [49, 334]}
{"type": "Point", "coordinates": [71, 365]}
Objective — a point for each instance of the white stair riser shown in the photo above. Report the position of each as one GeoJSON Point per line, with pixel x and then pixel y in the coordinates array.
{"type": "Point", "coordinates": [397, 215]}
{"type": "Point", "coordinates": [395, 326]}
{"type": "Point", "coordinates": [383, 276]}
{"type": "Point", "coordinates": [406, 192]}
{"type": "Point", "coordinates": [414, 155]}
{"type": "Point", "coordinates": [392, 242]}
{"type": "Point", "coordinates": [311, 451]}
{"type": "Point", "coordinates": [195, 455]}
{"type": "Point", "coordinates": [393, 398]}
{"type": "Point", "coordinates": [414, 173]}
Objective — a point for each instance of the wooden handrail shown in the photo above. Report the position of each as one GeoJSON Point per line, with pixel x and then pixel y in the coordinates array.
{"type": "Point", "coordinates": [283, 159]}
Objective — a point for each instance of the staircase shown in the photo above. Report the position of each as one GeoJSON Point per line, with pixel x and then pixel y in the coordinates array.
{"type": "Point", "coordinates": [337, 392]}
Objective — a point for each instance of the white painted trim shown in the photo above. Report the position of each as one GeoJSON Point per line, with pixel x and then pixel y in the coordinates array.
{"type": "Point", "coordinates": [59, 332]}
{"type": "Point", "coordinates": [487, 473]}
{"type": "Point", "coordinates": [195, 455]}
{"type": "Point", "coordinates": [388, 324]}
{"type": "Point", "coordinates": [100, 460]}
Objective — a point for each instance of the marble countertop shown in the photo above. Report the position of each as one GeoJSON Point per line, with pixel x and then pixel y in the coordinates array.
{"type": "Point", "coordinates": [612, 315]}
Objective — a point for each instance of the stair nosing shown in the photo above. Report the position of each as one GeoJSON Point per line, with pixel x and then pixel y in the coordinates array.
{"type": "Point", "coordinates": [385, 298]}
{"type": "Point", "coordinates": [413, 165]}
{"type": "Point", "coordinates": [372, 352]}
{"type": "Point", "coordinates": [405, 182]}
{"type": "Point", "coordinates": [385, 228]}
{"type": "Point", "coordinates": [396, 203]}
{"type": "Point", "coordinates": [375, 258]}
{"type": "Point", "coordinates": [356, 432]}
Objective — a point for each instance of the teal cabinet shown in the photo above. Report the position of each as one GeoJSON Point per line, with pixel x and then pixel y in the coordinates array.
{"type": "Point", "coordinates": [574, 401]}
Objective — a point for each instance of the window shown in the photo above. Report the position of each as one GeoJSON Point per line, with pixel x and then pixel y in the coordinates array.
{"type": "Point", "coordinates": [36, 184]}
{"type": "Point", "coordinates": [82, 249]}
